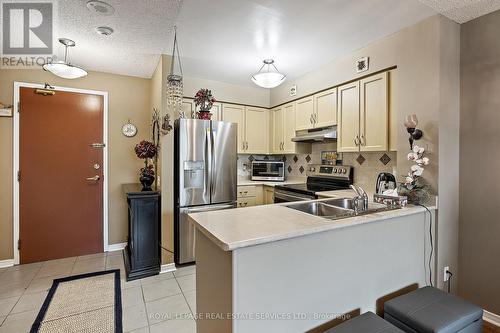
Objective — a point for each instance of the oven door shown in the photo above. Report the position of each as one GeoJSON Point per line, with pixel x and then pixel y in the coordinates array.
{"type": "Point", "coordinates": [287, 196]}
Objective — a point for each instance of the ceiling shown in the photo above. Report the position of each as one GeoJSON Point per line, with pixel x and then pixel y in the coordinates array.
{"type": "Point", "coordinates": [462, 11]}
{"type": "Point", "coordinates": [226, 40]}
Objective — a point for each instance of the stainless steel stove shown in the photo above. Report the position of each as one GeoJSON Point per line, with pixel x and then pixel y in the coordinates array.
{"type": "Point", "coordinates": [320, 178]}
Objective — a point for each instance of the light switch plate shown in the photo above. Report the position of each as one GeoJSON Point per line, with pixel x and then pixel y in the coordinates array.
{"type": "Point", "coordinates": [7, 112]}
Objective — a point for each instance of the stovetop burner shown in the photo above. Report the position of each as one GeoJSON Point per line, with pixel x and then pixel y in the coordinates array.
{"type": "Point", "coordinates": [322, 178]}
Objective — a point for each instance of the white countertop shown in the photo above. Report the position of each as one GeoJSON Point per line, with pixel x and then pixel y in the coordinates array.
{"type": "Point", "coordinates": [288, 181]}
{"type": "Point", "coordinates": [236, 228]}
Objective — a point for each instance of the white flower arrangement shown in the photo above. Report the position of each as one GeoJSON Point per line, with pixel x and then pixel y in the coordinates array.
{"type": "Point", "coordinates": [416, 170]}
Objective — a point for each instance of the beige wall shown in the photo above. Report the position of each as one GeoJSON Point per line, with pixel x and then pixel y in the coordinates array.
{"type": "Point", "coordinates": [427, 85]}
{"type": "Point", "coordinates": [480, 162]}
{"type": "Point", "coordinates": [129, 98]}
{"type": "Point", "coordinates": [222, 91]}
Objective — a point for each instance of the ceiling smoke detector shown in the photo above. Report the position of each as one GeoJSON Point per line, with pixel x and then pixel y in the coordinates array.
{"type": "Point", "coordinates": [105, 31]}
{"type": "Point", "coordinates": [100, 7]}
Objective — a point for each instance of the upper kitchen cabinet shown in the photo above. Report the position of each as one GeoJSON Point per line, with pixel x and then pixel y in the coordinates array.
{"type": "Point", "coordinates": [374, 115]}
{"type": "Point", "coordinates": [188, 108]}
{"type": "Point", "coordinates": [348, 112]}
{"type": "Point", "coordinates": [304, 113]}
{"type": "Point", "coordinates": [363, 111]}
{"type": "Point", "coordinates": [236, 114]}
{"type": "Point", "coordinates": [256, 130]}
{"type": "Point", "coordinates": [283, 131]}
{"type": "Point", "coordinates": [253, 127]}
{"type": "Point", "coordinates": [325, 108]}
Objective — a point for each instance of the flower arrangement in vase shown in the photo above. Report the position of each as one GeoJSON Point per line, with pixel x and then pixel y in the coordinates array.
{"type": "Point", "coordinates": [413, 188]}
{"type": "Point", "coordinates": [146, 150]}
{"type": "Point", "coordinates": [205, 100]}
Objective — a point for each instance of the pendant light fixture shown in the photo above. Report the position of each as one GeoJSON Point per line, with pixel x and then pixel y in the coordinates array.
{"type": "Point", "coordinates": [267, 77]}
{"type": "Point", "coordinates": [63, 68]}
{"type": "Point", "coordinates": [174, 87]}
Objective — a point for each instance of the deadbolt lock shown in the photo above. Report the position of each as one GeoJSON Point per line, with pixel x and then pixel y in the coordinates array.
{"type": "Point", "coordinates": [96, 166]}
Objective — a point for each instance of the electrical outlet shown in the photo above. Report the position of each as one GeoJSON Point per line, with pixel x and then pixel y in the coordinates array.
{"type": "Point", "coordinates": [445, 275]}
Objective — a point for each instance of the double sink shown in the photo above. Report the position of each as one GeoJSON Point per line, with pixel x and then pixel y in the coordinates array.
{"type": "Point", "coordinates": [337, 208]}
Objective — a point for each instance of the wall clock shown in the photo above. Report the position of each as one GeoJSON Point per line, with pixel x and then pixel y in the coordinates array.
{"type": "Point", "coordinates": [129, 130]}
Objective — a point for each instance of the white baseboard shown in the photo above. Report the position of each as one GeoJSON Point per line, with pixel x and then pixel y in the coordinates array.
{"type": "Point", "coordinates": [6, 263]}
{"type": "Point", "coordinates": [167, 268]}
{"type": "Point", "coordinates": [116, 247]}
{"type": "Point", "coordinates": [491, 318]}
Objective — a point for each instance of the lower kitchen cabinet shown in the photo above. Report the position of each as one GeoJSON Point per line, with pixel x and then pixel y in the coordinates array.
{"type": "Point", "coordinates": [246, 202]}
{"type": "Point", "coordinates": [249, 195]}
{"type": "Point", "coordinates": [268, 195]}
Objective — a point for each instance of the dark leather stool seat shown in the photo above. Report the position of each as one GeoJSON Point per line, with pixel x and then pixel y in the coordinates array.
{"type": "Point", "coordinates": [366, 323]}
{"type": "Point", "coordinates": [430, 310]}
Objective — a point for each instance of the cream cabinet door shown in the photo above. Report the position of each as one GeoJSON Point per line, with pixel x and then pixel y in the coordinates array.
{"type": "Point", "coordinates": [268, 195]}
{"type": "Point", "coordinates": [188, 108]}
{"type": "Point", "coordinates": [277, 135]}
{"type": "Point", "coordinates": [325, 108]}
{"type": "Point", "coordinates": [216, 112]}
{"type": "Point", "coordinates": [236, 114]}
{"type": "Point", "coordinates": [393, 110]}
{"type": "Point", "coordinates": [304, 109]}
{"type": "Point", "coordinates": [289, 146]}
{"type": "Point", "coordinates": [348, 112]}
{"type": "Point", "coordinates": [257, 130]}
{"type": "Point", "coordinates": [374, 113]}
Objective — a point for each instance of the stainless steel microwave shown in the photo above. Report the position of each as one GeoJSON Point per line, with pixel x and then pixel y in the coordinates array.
{"type": "Point", "coordinates": [268, 170]}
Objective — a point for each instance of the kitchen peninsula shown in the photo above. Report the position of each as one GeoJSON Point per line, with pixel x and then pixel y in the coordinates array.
{"type": "Point", "coordinates": [277, 269]}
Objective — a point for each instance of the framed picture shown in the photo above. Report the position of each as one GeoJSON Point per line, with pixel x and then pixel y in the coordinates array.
{"type": "Point", "coordinates": [363, 64]}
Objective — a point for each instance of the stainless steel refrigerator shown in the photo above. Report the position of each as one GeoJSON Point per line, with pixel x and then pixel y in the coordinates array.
{"type": "Point", "coordinates": [205, 176]}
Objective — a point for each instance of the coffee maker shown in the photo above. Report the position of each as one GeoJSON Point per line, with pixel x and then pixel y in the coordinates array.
{"type": "Point", "coordinates": [385, 181]}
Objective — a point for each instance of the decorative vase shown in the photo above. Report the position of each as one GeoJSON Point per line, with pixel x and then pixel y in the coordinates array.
{"type": "Point", "coordinates": [416, 196]}
{"type": "Point", "coordinates": [204, 115]}
{"type": "Point", "coordinates": [146, 181]}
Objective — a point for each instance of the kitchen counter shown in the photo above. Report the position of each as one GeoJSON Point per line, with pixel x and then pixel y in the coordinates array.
{"type": "Point", "coordinates": [249, 182]}
{"type": "Point", "coordinates": [237, 228]}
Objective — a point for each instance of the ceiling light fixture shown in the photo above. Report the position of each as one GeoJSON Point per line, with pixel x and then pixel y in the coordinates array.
{"type": "Point", "coordinates": [105, 31]}
{"type": "Point", "coordinates": [100, 7]}
{"type": "Point", "coordinates": [63, 68]}
{"type": "Point", "coordinates": [268, 78]}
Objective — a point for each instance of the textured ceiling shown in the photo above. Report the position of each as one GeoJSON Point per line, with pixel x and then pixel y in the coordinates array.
{"type": "Point", "coordinates": [227, 40]}
{"type": "Point", "coordinates": [462, 11]}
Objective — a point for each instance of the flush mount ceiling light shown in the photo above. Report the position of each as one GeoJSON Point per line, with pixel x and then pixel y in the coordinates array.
{"type": "Point", "coordinates": [100, 7]}
{"type": "Point", "coordinates": [268, 78]}
{"type": "Point", "coordinates": [105, 31]}
{"type": "Point", "coordinates": [63, 68]}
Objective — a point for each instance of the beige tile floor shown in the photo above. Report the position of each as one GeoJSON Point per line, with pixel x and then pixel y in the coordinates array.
{"type": "Point", "coordinates": [162, 303]}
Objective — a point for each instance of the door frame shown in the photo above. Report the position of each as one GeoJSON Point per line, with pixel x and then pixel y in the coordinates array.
{"type": "Point", "coordinates": [16, 132]}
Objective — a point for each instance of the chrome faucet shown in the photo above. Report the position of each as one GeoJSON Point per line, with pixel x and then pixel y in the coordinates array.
{"type": "Point", "coordinates": [360, 200]}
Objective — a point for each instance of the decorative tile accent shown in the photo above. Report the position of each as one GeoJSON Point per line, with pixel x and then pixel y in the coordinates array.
{"type": "Point", "coordinates": [301, 169]}
{"type": "Point", "coordinates": [289, 169]}
{"type": "Point", "coordinates": [361, 159]}
{"type": "Point", "coordinates": [251, 158]}
{"type": "Point", "coordinates": [385, 159]}
{"type": "Point", "coordinates": [266, 158]}
{"type": "Point", "coordinates": [308, 158]}
{"type": "Point", "coordinates": [295, 158]}
{"type": "Point", "coordinates": [284, 159]}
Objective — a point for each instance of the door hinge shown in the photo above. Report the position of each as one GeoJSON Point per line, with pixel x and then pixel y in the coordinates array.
{"type": "Point", "coordinates": [18, 175]}
{"type": "Point", "coordinates": [18, 107]}
{"type": "Point", "coordinates": [19, 244]}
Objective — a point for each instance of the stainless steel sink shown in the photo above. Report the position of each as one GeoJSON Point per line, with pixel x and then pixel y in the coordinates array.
{"type": "Point", "coordinates": [322, 209]}
{"type": "Point", "coordinates": [336, 208]}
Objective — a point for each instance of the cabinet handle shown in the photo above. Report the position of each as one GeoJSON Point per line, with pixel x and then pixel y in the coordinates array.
{"type": "Point", "coordinates": [362, 142]}
{"type": "Point", "coordinates": [357, 141]}
{"type": "Point", "coordinates": [311, 119]}
{"type": "Point", "coordinates": [315, 118]}
{"type": "Point", "coordinates": [247, 145]}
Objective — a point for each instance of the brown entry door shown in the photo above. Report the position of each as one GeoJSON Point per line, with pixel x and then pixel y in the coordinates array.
{"type": "Point", "coordinates": [60, 204]}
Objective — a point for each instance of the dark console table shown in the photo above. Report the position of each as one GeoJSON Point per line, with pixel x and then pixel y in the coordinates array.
{"type": "Point", "coordinates": [142, 254]}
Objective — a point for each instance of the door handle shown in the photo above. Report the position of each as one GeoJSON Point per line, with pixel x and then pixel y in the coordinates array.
{"type": "Point", "coordinates": [95, 178]}
{"type": "Point", "coordinates": [97, 145]}
{"type": "Point", "coordinates": [357, 141]}
{"type": "Point", "coordinates": [362, 142]}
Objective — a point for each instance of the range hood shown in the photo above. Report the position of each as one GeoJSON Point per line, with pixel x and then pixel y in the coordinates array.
{"type": "Point", "coordinates": [316, 135]}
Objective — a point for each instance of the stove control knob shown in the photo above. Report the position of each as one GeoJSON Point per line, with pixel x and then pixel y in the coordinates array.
{"type": "Point", "coordinates": [344, 171]}
{"type": "Point", "coordinates": [335, 170]}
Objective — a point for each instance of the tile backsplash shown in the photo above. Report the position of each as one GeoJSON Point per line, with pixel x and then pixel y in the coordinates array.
{"type": "Point", "coordinates": [367, 166]}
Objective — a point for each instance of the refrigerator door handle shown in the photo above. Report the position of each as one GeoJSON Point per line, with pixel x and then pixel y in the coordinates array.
{"type": "Point", "coordinates": [214, 163]}
{"type": "Point", "coordinates": [207, 158]}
